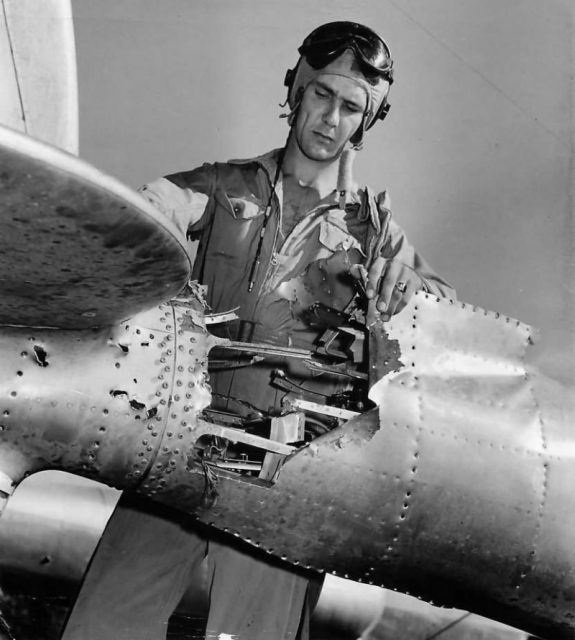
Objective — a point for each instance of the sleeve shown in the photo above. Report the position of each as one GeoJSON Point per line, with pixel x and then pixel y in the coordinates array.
{"type": "Point", "coordinates": [397, 246]}
{"type": "Point", "coordinates": [183, 198]}
{"type": "Point", "coordinates": [390, 241]}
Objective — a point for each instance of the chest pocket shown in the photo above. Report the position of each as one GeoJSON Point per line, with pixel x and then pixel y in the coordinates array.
{"type": "Point", "coordinates": [237, 221]}
{"type": "Point", "coordinates": [333, 238]}
{"type": "Point", "coordinates": [242, 209]}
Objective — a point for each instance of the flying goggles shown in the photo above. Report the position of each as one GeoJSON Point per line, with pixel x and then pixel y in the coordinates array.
{"type": "Point", "coordinates": [329, 41]}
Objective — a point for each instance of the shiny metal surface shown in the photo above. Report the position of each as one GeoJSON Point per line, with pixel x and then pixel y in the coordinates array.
{"type": "Point", "coordinates": [108, 403]}
{"type": "Point", "coordinates": [456, 490]}
{"type": "Point", "coordinates": [459, 491]}
{"type": "Point", "coordinates": [52, 524]}
{"type": "Point", "coordinates": [78, 249]}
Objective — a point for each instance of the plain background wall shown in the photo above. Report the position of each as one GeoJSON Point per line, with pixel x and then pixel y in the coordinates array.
{"type": "Point", "coordinates": [477, 151]}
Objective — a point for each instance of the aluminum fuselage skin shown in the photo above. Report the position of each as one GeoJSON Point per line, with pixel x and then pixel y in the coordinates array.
{"type": "Point", "coordinates": [429, 494]}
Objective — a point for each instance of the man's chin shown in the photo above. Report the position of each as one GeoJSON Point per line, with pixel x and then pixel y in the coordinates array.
{"type": "Point", "coordinates": [322, 154]}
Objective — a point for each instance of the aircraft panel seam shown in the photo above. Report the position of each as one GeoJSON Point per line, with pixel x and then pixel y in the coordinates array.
{"type": "Point", "coordinates": [544, 486]}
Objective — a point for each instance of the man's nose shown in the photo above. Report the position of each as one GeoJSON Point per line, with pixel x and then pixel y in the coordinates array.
{"type": "Point", "coordinates": [331, 115]}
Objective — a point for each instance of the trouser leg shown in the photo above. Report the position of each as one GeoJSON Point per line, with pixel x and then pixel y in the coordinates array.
{"type": "Point", "coordinates": [251, 599]}
{"type": "Point", "coordinates": [137, 576]}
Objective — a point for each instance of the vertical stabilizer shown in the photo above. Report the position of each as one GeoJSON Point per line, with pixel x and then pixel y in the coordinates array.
{"type": "Point", "coordinates": [39, 93]}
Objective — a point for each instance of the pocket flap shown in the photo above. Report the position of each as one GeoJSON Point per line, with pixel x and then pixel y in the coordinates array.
{"type": "Point", "coordinates": [240, 208]}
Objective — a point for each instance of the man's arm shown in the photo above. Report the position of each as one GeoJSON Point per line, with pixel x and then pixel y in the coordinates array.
{"type": "Point", "coordinates": [182, 197]}
{"type": "Point", "coordinates": [398, 271]}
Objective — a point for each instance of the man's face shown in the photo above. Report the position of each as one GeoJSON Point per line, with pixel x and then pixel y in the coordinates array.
{"type": "Point", "coordinates": [330, 113]}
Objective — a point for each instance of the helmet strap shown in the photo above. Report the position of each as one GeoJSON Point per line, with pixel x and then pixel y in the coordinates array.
{"type": "Point", "coordinates": [345, 175]}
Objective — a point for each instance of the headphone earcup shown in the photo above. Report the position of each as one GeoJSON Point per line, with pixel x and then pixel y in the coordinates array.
{"type": "Point", "coordinates": [288, 81]}
{"type": "Point", "coordinates": [381, 114]}
{"type": "Point", "coordinates": [383, 110]}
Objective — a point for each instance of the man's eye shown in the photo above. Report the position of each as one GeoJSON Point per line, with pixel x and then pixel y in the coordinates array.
{"type": "Point", "coordinates": [321, 94]}
{"type": "Point", "coordinates": [352, 108]}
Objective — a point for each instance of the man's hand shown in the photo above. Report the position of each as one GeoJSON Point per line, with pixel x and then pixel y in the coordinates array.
{"type": "Point", "coordinates": [391, 284]}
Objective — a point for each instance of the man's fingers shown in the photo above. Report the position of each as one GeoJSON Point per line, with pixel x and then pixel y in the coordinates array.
{"type": "Point", "coordinates": [402, 293]}
{"type": "Point", "coordinates": [374, 276]}
{"type": "Point", "coordinates": [387, 288]}
{"type": "Point", "coordinates": [391, 284]}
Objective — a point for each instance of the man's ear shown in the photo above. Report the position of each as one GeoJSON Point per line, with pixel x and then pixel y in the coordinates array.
{"type": "Point", "coordinates": [293, 113]}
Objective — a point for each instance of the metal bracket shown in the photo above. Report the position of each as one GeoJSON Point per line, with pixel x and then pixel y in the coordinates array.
{"type": "Point", "coordinates": [235, 435]}
{"type": "Point", "coordinates": [7, 485]}
{"type": "Point", "coordinates": [335, 412]}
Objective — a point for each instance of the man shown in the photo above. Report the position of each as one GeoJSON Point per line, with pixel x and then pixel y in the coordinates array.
{"type": "Point", "coordinates": [288, 239]}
